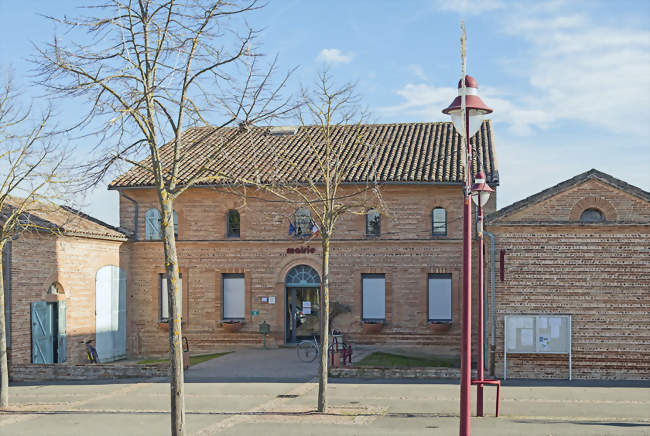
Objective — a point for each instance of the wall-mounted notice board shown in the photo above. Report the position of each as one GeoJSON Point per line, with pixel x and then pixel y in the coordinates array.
{"type": "Point", "coordinates": [543, 334]}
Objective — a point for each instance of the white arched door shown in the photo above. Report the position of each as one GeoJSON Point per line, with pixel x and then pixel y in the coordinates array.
{"type": "Point", "coordinates": [110, 313]}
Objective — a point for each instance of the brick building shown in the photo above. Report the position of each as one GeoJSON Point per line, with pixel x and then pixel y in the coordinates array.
{"type": "Point", "coordinates": [239, 266]}
{"type": "Point", "coordinates": [62, 287]}
{"type": "Point", "coordinates": [580, 248]}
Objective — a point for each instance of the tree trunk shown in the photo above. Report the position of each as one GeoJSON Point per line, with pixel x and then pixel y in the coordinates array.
{"type": "Point", "coordinates": [4, 368]}
{"type": "Point", "coordinates": [173, 295]}
{"type": "Point", "coordinates": [324, 327]}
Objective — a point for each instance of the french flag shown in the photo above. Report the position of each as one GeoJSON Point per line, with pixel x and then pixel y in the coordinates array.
{"type": "Point", "coordinates": [315, 231]}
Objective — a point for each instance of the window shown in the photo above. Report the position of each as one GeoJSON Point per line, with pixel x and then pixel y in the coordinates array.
{"type": "Point", "coordinates": [153, 220]}
{"type": "Point", "coordinates": [233, 224]}
{"type": "Point", "coordinates": [152, 225]}
{"type": "Point", "coordinates": [234, 302]}
{"type": "Point", "coordinates": [373, 223]}
{"type": "Point", "coordinates": [592, 216]}
{"type": "Point", "coordinates": [439, 222]}
{"type": "Point", "coordinates": [164, 302]}
{"type": "Point", "coordinates": [374, 296]}
{"type": "Point", "coordinates": [303, 222]}
{"type": "Point", "coordinates": [439, 297]}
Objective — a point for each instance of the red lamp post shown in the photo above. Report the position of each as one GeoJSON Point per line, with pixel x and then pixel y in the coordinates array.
{"type": "Point", "coordinates": [480, 195]}
{"type": "Point", "coordinates": [467, 112]}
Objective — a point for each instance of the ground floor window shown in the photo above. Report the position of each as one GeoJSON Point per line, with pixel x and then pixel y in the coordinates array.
{"type": "Point", "coordinates": [439, 295]}
{"type": "Point", "coordinates": [374, 297]}
{"type": "Point", "coordinates": [164, 302]}
{"type": "Point", "coordinates": [234, 301]}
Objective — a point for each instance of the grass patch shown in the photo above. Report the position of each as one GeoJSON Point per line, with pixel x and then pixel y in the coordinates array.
{"type": "Point", "coordinates": [205, 357]}
{"type": "Point", "coordinates": [193, 359]}
{"type": "Point", "coordinates": [388, 360]}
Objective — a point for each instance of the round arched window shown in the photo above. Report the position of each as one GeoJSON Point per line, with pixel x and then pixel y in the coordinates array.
{"type": "Point", "coordinates": [302, 275]}
{"type": "Point", "coordinates": [55, 288]}
{"type": "Point", "coordinates": [592, 216]}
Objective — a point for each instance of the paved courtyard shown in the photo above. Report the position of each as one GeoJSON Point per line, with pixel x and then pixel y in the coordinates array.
{"type": "Point", "coordinates": [239, 396]}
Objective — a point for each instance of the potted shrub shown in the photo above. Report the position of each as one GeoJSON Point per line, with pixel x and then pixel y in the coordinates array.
{"type": "Point", "coordinates": [232, 326]}
{"type": "Point", "coordinates": [439, 326]}
{"type": "Point", "coordinates": [372, 327]}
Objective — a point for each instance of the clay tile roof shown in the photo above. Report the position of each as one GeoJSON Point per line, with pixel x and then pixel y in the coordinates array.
{"type": "Point", "coordinates": [68, 221]}
{"type": "Point", "coordinates": [408, 153]}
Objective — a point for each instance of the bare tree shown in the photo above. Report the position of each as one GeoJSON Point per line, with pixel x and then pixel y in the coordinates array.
{"type": "Point", "coordinates": [149, 69]}
{"type": "Point", "coordinates": [29, 176]}
{"type": "Point", "coordinates": [335, 175]}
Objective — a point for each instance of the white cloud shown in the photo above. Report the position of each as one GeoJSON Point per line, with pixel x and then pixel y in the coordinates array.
{"type": "Point", "coordinates": [334, 56]}
{"type": "Point", "coordinates": [575, 70]}
{"type": "Point", "coordinates": [471, 7]}
{"type": "Point", "coordinates": [581, 71]}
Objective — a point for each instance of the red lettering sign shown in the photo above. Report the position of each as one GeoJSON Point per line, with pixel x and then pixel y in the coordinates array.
{"type": "Point", "coordinates": [301, 250]}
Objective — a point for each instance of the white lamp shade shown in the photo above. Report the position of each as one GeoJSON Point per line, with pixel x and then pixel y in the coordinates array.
{"type": "Point", "coordinates": [475, 120]}
{"type": "Point", "coordinates": [484, 196]}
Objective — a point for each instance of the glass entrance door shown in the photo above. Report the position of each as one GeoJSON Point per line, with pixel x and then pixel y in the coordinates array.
{"type": "Point", "coordinates": [303, 313]}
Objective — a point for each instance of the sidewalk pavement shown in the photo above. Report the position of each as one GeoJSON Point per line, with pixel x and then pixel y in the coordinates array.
{"type": "Point", "coordinates": [357, 407]}
{"type": "Point", "coordinates": [272, 392]}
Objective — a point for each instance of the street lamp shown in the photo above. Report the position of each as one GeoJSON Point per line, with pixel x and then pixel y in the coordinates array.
{"type": "Point", "coordinates": [467, 112]}
{"type": "Point", "coordinates": [480, 195]}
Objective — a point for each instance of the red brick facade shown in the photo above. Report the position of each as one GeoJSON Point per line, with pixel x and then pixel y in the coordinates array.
{"type": "Point", "coordinates": [40, 259]}
{"type": "Point", "coordinates": [406, 252]}
{"type": "Point", "coordinates": [597, 272]}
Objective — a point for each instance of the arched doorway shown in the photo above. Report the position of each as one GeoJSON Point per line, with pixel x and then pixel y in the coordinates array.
{"type": "Point", "coordinates": [302, 284]}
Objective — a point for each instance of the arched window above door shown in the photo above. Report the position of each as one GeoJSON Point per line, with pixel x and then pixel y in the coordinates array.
{"type": "Point", "coordinates": [302, 276]}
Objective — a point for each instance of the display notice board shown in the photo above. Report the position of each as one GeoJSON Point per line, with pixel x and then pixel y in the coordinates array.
{"type": "Point", "coordinates": [539, 333]}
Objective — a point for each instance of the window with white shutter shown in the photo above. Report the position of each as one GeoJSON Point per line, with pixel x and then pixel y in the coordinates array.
{"type": "Point", "coordinates": [439, 296]}
{"type": "Point", "coordinates": [234, 301]}
{"type": "Point", "coordinates": [374, 297]}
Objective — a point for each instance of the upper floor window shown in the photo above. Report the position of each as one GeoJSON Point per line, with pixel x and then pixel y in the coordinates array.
{"type": "Point", "coordinates": [439, 222]}
{"type": "Point", "coordinates": [373, 223]}
{"type": "Point", "coordinates": [152, 224]}
{"type": "Point", "coordinates": [153, 220]}
{"type": "Point", "coordinates": [592, 216]}
{"type": "Point", "coordinates": [233, 224]}
{"type": "Point", "coordinates": [303, 223]}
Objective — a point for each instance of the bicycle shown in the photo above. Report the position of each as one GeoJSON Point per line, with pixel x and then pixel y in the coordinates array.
{"type": "Point", "coordinates": [308, 350]}
{"type": "Point", "coordinates": [91, 353]}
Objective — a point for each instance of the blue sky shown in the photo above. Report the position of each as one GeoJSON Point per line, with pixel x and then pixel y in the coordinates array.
{"type": "Point", "coordinates": [569, 81]}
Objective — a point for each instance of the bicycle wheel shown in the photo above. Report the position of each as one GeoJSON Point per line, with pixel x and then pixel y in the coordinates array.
{"type": "Point", "coordinates": [307, 351]}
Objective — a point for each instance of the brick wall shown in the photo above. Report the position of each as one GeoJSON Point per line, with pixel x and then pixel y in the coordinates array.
{"type": "Point", "coordinates": [617, 205]}
{"type": "Point", "coordinates": [65, 371]}
{"type": "Point", "coordinates": [406, 252]}
{"type": "Point", "coordinates": [598, 273]}
{"type": "Point", "coordinates": [38, 260]}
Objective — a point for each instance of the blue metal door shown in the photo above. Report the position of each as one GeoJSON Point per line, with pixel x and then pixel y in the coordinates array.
{"type": "Point", "coordinates": [42, 332]}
